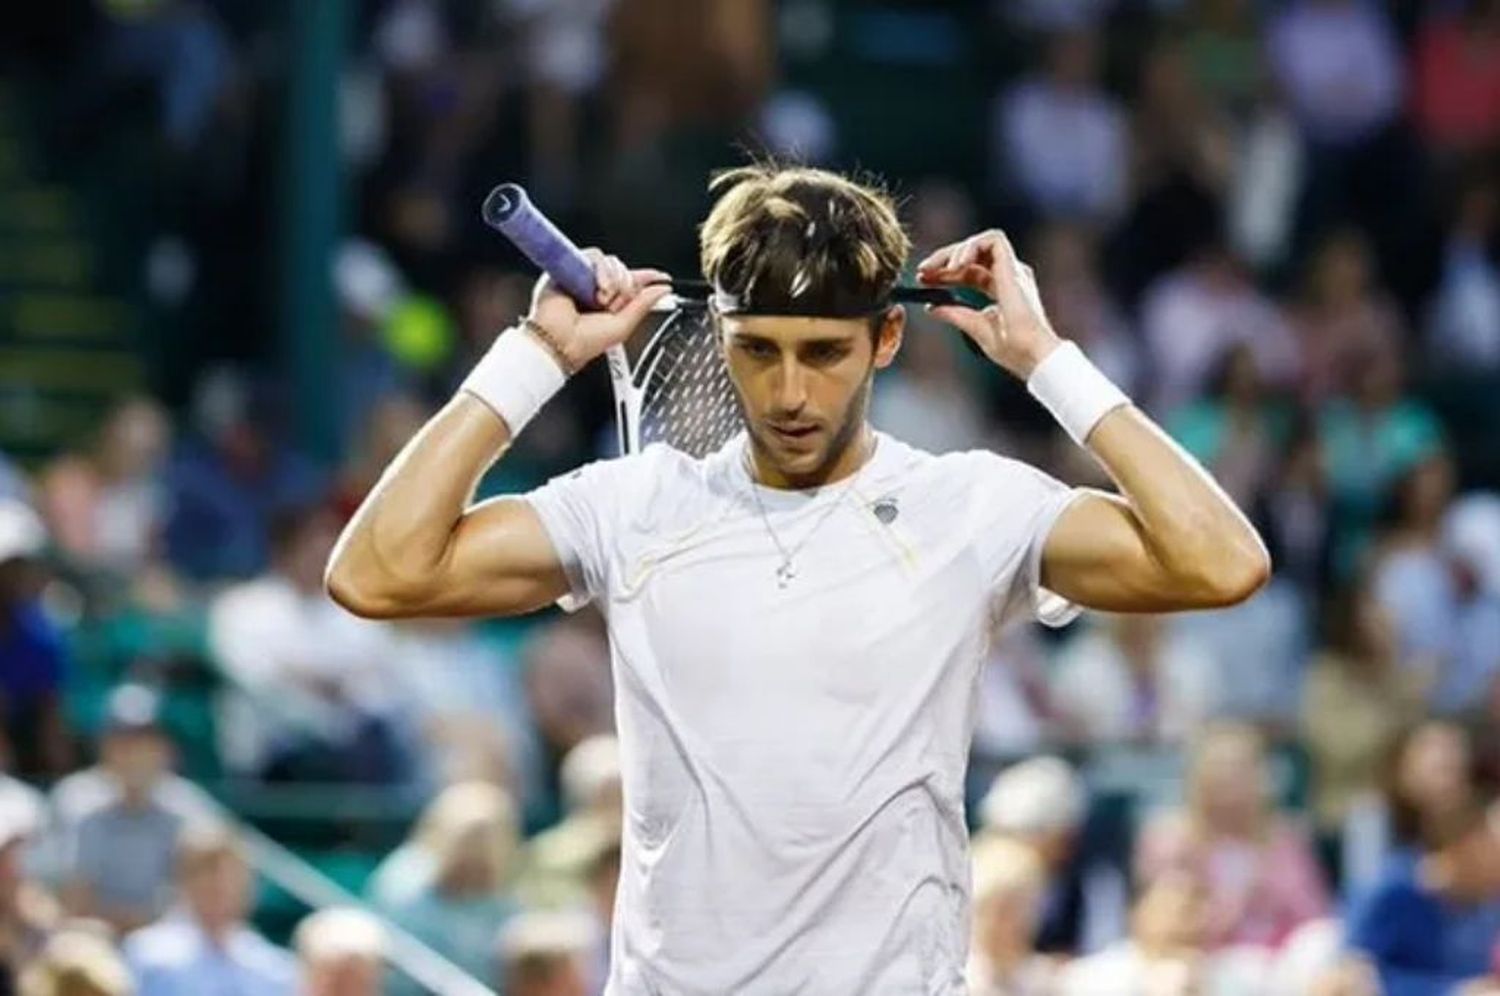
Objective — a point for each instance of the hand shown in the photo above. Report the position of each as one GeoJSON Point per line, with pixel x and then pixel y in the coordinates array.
{"type": "Point", "coordinates": [1013, 331]}
{"type": "Point", "coordinates": [625, 296]}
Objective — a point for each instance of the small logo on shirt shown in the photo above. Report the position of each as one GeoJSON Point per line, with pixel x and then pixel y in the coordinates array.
{"type": "Point", "coordinates": [885, 510]}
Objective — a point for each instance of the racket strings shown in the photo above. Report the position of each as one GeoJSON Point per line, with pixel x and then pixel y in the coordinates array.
{"type": "Point", "coordinates": [687, 400]}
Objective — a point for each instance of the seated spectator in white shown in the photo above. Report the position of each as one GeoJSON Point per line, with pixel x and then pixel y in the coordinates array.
{"type": "Point", "coordinates": [558, 858]}
{"type": "Point", "coordinates": [1007, 897]}
{"type": "Point", "coordinates": [1014, 713]}
{"type": "Point", "coordinates": [342, 953]}
{"type": "Point", "coordinates": [24, 809]}
{"type": "Point", "coordinates": [205, 946]}
{"type": "Point", "coordinates": [77, 961]}
{"type": "Point", "coordinates": [107, 506]}
{"type": "Point", "coordinates": [1060, 139]}
{"type": "Point", "coordinates": [1193, 315]}
{"type": "Point", "coordinates": [1339, 64]}
{"type": "Point", "coordinates": [314, 696]}
{"type": "Point", "coordinates": [1463, 317]}
{"type": "Point", "coordinates": [928, 400]}
{"type": "Point", "coordinates": [1133, 679]}
{"type": "Point", "coordinates": [118, 824]}
{"type": "Point", "coordinates": [1166, 952]}
{"type": "Point", "coordinates": [450, 884]}
{"type": "Point", "coordinates": [1430, 923]}
{"type": "Point", "coordinates": [27, 913]}
{"type": "Point", "coordinates": [545, 954]}
{"type": "Point", "coordinates": [1260, 875]}
{"type": "Point", "coordinates": [1043, 803]}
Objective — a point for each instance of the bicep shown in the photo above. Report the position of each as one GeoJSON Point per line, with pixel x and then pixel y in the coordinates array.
{"type": "Point", "coordinates": [500, 561]}
{"type": "Point", "coordinates": [1096, 556]}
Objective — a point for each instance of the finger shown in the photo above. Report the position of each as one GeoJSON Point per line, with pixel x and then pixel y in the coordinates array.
{"type": "Point", "coordinates": [938, 258]}
{"type": "Point", "coordinates": [621, 274]}
{"type": "Point", "coordinates": [649, 276]}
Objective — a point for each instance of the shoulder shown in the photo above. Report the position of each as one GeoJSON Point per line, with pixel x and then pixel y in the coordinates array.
{"type": "Point", "coordinates": [163, 944]}
{"type": "Point", "coordinates": [264, 958]}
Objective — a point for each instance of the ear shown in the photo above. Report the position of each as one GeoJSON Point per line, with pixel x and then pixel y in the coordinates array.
{"type": "Point", "coordinates": [888, 339]}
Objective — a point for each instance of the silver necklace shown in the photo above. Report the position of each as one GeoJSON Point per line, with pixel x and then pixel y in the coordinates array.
{"type": "Point", "coordinates": [786, 571]}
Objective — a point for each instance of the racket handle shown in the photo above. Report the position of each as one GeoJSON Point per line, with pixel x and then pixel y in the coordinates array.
{"type": "Point", "coordinates": [510, 212]}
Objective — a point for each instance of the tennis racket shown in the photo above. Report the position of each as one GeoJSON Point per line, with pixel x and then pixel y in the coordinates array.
{"type": "Point", "coordinates": [670, 381]}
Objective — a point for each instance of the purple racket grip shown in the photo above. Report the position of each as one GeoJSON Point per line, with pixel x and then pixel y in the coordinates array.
{"type": "Point", "coordinates": [509, 211]}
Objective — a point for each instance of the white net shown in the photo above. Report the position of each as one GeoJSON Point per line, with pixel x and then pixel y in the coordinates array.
{"type": "Point", "coordinates": [687, 400]}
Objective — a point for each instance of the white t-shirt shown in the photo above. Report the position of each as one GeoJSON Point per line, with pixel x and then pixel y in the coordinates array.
{"type": "Point", "coordinates": [793, 758]}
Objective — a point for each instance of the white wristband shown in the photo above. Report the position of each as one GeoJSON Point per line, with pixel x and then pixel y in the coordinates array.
{"type": "Point", "coordinates": [515, 378]}
{"type": "Point", "coordinates": [1074, 391]}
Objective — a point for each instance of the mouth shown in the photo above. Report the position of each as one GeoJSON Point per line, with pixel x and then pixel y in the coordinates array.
{"type": "Point", "coordinates": [794, 435]}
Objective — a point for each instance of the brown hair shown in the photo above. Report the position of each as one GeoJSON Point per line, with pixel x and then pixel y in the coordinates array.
{"type": "Point", "coordinates": [802, 240]}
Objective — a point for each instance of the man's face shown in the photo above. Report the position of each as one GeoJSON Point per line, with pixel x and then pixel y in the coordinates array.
{"type": "Point", "coordinates": [138, 758]}
{"type": "Point", "coordinates": [350, 975]}
{"type": "Point", "coordinates": [218, 892]}
{"type": "Point", "coordinates": [804, 384]}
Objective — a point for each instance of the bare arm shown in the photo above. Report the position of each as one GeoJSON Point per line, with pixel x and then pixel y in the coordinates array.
{"type": "Point", "coordinates": [1174, 539]}
{"type": "Point", "coordinates": [416, 547]}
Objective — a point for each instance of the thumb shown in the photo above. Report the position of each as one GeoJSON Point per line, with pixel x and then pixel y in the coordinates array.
{"type": "Point", "coordinates": [962, 317]}
{"type": "Point", "coordinates": [636, 310]}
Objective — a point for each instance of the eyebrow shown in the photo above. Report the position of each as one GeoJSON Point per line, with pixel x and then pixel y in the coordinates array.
{"type": "Point", "coordinates": [822, 340]}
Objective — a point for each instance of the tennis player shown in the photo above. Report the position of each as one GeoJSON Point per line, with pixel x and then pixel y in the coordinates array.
{"type": "Point", "coordinates": [797, 620]}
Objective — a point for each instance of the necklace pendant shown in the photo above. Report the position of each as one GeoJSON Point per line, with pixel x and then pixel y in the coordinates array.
{"type": "Point", "coordinates": [784, 574]}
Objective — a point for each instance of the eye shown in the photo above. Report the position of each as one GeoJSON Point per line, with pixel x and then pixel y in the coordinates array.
{"type": "Point", "coordinates": [826, 352]}
{"type": "Point", "coordinates": [757, 349]}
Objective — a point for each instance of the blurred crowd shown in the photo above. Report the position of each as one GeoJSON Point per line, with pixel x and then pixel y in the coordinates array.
{"type": "Point", "coordinates": [1275, 222]}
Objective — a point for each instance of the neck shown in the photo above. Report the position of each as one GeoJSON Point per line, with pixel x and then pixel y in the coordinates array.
{"type": "Point", "coordinates": [846, 460]}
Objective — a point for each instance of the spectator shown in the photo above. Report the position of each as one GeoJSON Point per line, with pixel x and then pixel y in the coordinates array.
{"type": "Point", "coordinates": [341, 951]}
{"type": "Point", "coordinates": [1358, 699]}
{"type": "Point", "coordinates": [1133, 679]}
{"type": "Point", "coordinates": [1258, 869]}
{"type": "Point", "coordinates": [228, 478]}
{"type": "Point", "coordinates": [33, 655]}
{"type": "Point", "coordinates": [205, 946]}
{"type": "Point", "coordinates": [1008, 886]}
{"type": "Point", "coordinates": [314, 696]}
{"type": "Point", "coordinates": [1342, 317]}
{"type": "Point", "coordinates": [1193, 316]}
{"type": "Point", "coordinates": [1042, 803]}
{"type": "Point", "coordinates": [1235, 430]}
{"type": "Point", "coordinates": [1339, 64]}
{"type": "Point", "coordinates": [121, 821]}
{"type": "Point", "coordinates": [106, 506]}
{"type": "Point", "coordinates": [1456, 77]}
{"type": "Point", "coordinates": [543, 954]}
{"type": "Point", "coordinates": [1222, 45]}
{"type": "Point", "coordinates": [568, 685]}
{"type": "Point", "coordinates": [925, 399]}
{"type": "Point", "coordinates": [1165, 952]}
{"type": "Point", "coordinates": [1293, 515]}
{"type": "Point", "coordinates": [1060, 139]}
{"type": "Point", "coordinates": [558, 859]}
{"type": "Point", "coordinates": [604, 883]}
{"type": "Point", "coordinates": [1463, 326]}
{"type": "Point", "coordinates": [1369, 440]}
{"type": "Point", "coordinates": [136, 758]}
{"type": "Point", "coordinates": [1430, 773]}
{"type": "Point", "coordinates": [1431, 920]}
{"type": "Point", "coordinates": [1411, 574]}
{"type": "Point", "coordinates": [1076, 299]}
{"type": "Point", "coordinates": [449, 885]}
{"type": "Point", "coordinates": [77, 961]}
{"type": "Point", "coordinates": [27, 913]}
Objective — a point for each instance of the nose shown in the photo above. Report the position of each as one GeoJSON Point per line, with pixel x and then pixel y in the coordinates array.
{"type": "Point", "coordinates": [791, 386]}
